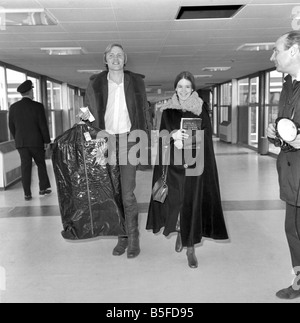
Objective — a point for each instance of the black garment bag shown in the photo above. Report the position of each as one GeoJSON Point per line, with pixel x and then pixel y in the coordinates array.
{"type": "Point", "coordinates": [89, 190]}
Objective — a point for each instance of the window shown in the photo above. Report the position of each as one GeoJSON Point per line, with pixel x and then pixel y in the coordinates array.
{"type": "Point", "coordinates": [14, 79]}
{"type": "Point", "coordinates": [36, 90]}
{"type": "Point", "coordinates": [54, 96]}
{"type": "Point", "coordinates": [254, 110]}
{"type": "Point", "coordinates": [215, 110]}
{"type": "Point", "coordinates": [274, 88]}
{"type": "Point", "coordinates": [226, 102]}
{"type": "Point", "coordinates": [71, 105]}
{"type": "Point", "coordinates": [243, 86]}
{"type": "Point", "coordinates": [274, 85]}
{"type": "Point", "coordinates": [254, 90]}
{"type": "Point", "coordinates": [3, 95]}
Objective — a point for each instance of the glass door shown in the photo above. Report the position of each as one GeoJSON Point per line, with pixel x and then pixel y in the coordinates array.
{"type": "Point", "coordinates": [254, 111]}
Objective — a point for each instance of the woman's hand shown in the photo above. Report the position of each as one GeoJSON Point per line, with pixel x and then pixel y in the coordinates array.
{"type": "Point", "coordinates": [179, 144]}
{"type": "Point", "coordinates": [180, 135]}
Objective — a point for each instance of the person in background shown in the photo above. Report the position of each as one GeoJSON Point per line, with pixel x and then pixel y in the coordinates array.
{"type": "Point", "coordinates": [28, 125]}
{"type": "Point", "coordinates": [118, 101]}
{"type": "Point", "coordinates": [193, 206]}
{"type": "Point", "coordinates": [286, 57]}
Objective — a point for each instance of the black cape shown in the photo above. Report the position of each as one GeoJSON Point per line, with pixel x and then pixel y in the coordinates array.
{"type": "Point", "coordinates": [196, 199]}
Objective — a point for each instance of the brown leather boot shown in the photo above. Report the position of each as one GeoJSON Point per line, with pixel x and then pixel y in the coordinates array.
{"type": "Point", "coordinates": [179, 246]}
{"type": "Point", "coordinates": [133, 237]}
{"type": "Point", "coordinates": [121, 246]}
{"type": "Point", "coordinates": [192, 259]}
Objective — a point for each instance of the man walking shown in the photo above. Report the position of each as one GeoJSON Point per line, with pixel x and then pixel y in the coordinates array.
{"type": "Point", "coordinates": [28, 125]}
{"type": "Point", "coordinates": [286, 57]}
{"type": "Point", "coordinates": [117, 99]}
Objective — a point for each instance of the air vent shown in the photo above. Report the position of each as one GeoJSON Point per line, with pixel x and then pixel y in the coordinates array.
{"type": "Point", "coordinates": [208, 12]}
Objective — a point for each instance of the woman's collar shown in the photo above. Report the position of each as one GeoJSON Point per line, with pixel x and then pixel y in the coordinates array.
{"type": "Point", "coordinates": [192, 104]}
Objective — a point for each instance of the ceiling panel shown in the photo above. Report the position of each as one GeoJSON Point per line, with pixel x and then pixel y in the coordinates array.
{"type": "Point", "coordinates": [75, 3]}
{"type": "Point", "coordinates": [154, 26]}
{"type": "Point", "coordinates": [89, 27]}
{"type": "Point", "coordinates": [256, 23]}
{"type": "Point", "coordinates": [83, 15]}
{"type": "Point", "coordinates": [262, 11]}
{"type": "Point", "coordinates": [131, 10]}
{"type": "Point", "coordinates": [13, 4]}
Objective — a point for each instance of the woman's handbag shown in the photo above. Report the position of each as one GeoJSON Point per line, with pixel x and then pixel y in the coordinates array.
{"type": "Point", "coordinates": [161, 189]}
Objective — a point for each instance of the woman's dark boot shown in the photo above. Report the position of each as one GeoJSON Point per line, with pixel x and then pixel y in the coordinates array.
{"type": "Point", "coordinates": [133, 237]}
{"type": "Point", "coordinates": [178, 246]}
{"type": "Point", "coordinates": [121, 246]}
{"type": "Point", "coordinates": [192, 259]}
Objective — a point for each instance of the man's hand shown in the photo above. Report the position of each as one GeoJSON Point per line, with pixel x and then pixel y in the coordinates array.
{"type": "Point", "coordinates": [84, 115]}
{"type": "Point", "coordinates": [296, 143]}
{"type": "Point", "coordinates": [271, 131]}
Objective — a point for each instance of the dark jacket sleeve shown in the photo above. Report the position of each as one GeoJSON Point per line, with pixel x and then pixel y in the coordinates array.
{"type": "Point", "coordinates": [11, 122]}
{"type": "Point", "coordinates": [43, 125]}
{"type": "Point", "coordinates": [147, 108]}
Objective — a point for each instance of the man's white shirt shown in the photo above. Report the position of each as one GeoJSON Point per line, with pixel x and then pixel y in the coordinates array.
{"type": "Point", "coordinates": [117, 119]}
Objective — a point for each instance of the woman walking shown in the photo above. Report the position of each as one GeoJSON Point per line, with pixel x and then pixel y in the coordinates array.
{"type": "Point", "coordinates": [193, 206]}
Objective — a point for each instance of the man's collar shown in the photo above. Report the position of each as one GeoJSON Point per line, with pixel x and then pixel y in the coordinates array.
{"type": "Point", "coordinates": [291, 78]}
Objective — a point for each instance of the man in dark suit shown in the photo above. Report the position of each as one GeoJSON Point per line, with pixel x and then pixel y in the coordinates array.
{"type": "Point", "coordinates": [117, 99]}
{"type": "Point", "coordinates": [286, 57]}
{"type": "Point", "coordinates": [28, 125]}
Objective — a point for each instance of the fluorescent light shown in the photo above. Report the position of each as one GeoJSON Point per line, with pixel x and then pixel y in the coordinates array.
{"type": "Point", "coordinates": [257, 47]}
{"type": "Point", "coordinates": [63, 51]}
{"type": "Point", "coordinates": [202, 76]}
{"type": "Point", "coordinates": [26, 17]}
{"type": "Point", "coordinates": [216, 69]}
{"type": "Point", "coordinates": [90, 71]}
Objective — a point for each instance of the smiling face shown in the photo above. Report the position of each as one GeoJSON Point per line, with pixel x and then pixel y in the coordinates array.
{"type": "Point", "coordinates": [115, 59]}
{"type": "Point", "coordinates": [184, 89]}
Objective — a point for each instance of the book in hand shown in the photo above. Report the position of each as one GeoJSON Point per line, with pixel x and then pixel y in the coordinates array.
{"type": "Point", "coordinates": [193, 127]}
{"type": "Point", "coordinates": [191, 124]}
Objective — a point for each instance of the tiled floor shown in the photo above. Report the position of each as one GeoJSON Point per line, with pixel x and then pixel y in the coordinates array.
{"type": "Point", "coordinates": [42, 267]}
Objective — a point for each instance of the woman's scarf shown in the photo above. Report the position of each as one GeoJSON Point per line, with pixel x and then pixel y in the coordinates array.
{"type": "Point", "coordinates": [192, 104]}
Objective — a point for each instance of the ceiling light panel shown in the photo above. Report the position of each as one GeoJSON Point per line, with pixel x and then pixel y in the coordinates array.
{"type": "Point", "coordinates": [217, 69]}
{"type": "Point", "coordinates": [256, 47]}
{"type": "Point", "coordinates": [26, 17]}
{"type": "Point", "coordinates": [90, 71]}
{"type": "Point", "coordinates": [63, 51]}
{"type": "Point", "coordinates": [202, 76]}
